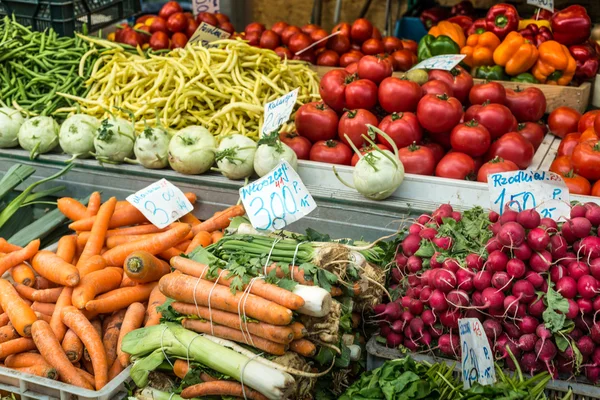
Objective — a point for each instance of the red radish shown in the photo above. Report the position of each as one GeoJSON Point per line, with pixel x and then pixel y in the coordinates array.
{"type": "Point", "coordinates": [414, 264]}
{"type": "Point", "coordinates": [590, 246]}
{"type": "Point", "coordinates": [546, 351]}
{"type": "Point", "coordinates": [451, 265]}
{"type": "Point", "coordinates": [584, 322]}
{"type": "Point", "coordinates": [396, 275]}
{"type": "Point", "coordinates": [464, 279]}
{"type": "Point", "coordinates": [576, 244]}
{"type": "Point", "coordinates": [411, 244]}
{"type": "Point", "coordinates": [558, 246]}
{"type": "Point", "coordinates": [406, 317]}
{"type": "Point", "coordinates": [493, 216]}
{"type": "Point", "coordinates": [405, 301]}
{"type": "Point", "coordinates": [585, 305]}
{"type": "Point", "coordinates": [492, 328]}
{"type": "Point", "coordinates": [543, 333]}
{"type": "Point", "coordinates": [444, 280]}
{"type": "Point", "coordinates": [567, 232]}
{"type": "Point", "coordinates": [529, 219]}
{"type": "Point", "coordinates": [413, 280]}
{"type": "Point", "coordinates": [482, 280]}
{"type": "Point", "coordinates": [578, 211]}
{"type": "Point", "coordinates": [501, 349]}
{"type": "Point", "coordinates": [458, 299]}
{"type": "Point", "coordinates": [437, 301]}
{"type": "Point", "coordinates": [500, 280]}
{"type": "Point", "coordinates": [529, 363]}
{"type": "Point", "coordinates": [456, 216]}
{"type": "Point", "coordinates": [444, 243]}
{"type": "Point", "coordinates": [441, 213]}
{"type": "Point", "coordinates": [495, 228]}
{"type": "Point", "coordinates": [493, 298]}
{"type": "Point", "coordinates": [576, 334]}
{"type": "Point", "coordinates": [527, 342]}
{"type": "Point", "coordinates": [593, 215]}
{"type": "Point", "coordinates": [522, 252]}
{"type": "Point", "coordinates": [540, 261]}
{"type": "Point", "coordinates": [497, 261]}
{"type": "Point", "coordinates": [515, 268]}
{"type": "Point", "coordinates": [392, 311]}
{"type": "Point", "coordinates": [425, 294]}
{"type": "Point", "coordinates": [580, 226]}
{"type": "Point", "coordinates": [415, 307]}
{"type": "Point", "coordinates": [398, 326]}
{"type": "Point", "coordinates": [595, 268]}
{"type": "Point", "coordinates": [587, 287]}
{"type": "Point", "coordinates": [410, 344]}
{"type": "Point", "coordinates": [549, 224]}
{"type": "Point", "coordinates": [436, 260]}
{"type": "Point", "coordinates": [557, 272]}
{"type": "Point", "coordinates": [508, 216]}
{"type": "Point", "coordinates": [449, 318]}
{"type": "Point", "coordinates": [567, 287]}
{"type": "Point", "coordinates": [428, 317]}
{"type": "Point", "coordinates": [573, 309]}
{"type": "Point", "coordinates": [474, 261]}
{"type": "Point", "coordinates": [426, 277]}
{"type": "Point", "coordinates": [477, 299]}
{"type": "Point", "coordinates": [586, 345]}
{"type": "Point", "coordinates": [535, 278]}
{"type": "Point", "coordinates": [568, 259]}
{"type": "Point", "coordinates": [416, 326]}
{"type": "Point", "coordinates": [424, 219]}
{"type": "Point", "coordinates": [385, 330]}
{"type": "Point", "coordinates": [592, 373]}
{"type": "Point", "coordinates": [436, 331]}
{"type": "Point", "coordinates": [379, 309]}
{"type": "Point", "coordinates": [401, 260]}
{"type": "Point", "coordinates": [577, 269]}
{"type": "Point", "coordinates": [427, 233]}
{"type": "Point", "coordinates": [524, 291]}
{"type": "Point", "coordinates": [512, 308]}
{"type": "Point", "coordinates": [394, 340]}
{"type": "Point", "coordinates": [511, 234]}
{"type": "Point", "coordinates": [492, 245]}
{"type": "Point", "coordinates": [414, 229]}
{"type": "Point", "coordinates": [595, 333]}
{"type": "Point", "coordinates": [426, 338]}
{"type": "Point", "coordinates": [472, 313]}
{"type": "Point", "coordinates": [590, 204]}
{"type": "Point", "coordinates": [538, 239]}
{"type": "Point", "coordinates": [449, 344]}
{"type": "Point", "coordinates": [596, 303]}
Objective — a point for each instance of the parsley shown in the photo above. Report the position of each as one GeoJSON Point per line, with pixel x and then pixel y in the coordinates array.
{"type": "Point", "coordinates": [556, 309]}
{"type": "Point", "coordinates": [287, 284]}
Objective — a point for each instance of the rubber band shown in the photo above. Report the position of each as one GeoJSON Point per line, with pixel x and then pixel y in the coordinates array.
{"type": "Point", "coordinates": [196, 300]}
{"type": "Point", "coordinates": [244, 308]}
{"type": "Point", "coordinates": [242, 373]}
{"type": "Point", "coordinates": [239, 310]}
{"type": "Point", "coordinates": [188, 349]}
{"type": "Point", "coordinates": [171, 396]}
{"type": "Point", "coordinates": [269, 256]}
{"type": "Point", "coordinates": [294, 260]}
{"type": "Point", "coordinates": [212, 331]}
{"type": "Point", "coordinates": [162, 348]}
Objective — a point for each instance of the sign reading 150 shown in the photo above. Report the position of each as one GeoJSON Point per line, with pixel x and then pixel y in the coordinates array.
{"type": "Point", "coordinates": [211, 6]}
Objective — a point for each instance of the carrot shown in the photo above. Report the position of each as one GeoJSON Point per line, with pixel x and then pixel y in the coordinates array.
{"type": "Point", "coordinates": [56, 323]}
{"type": "Point", "coordinates": [43, 317]}
{"type": "Point", "coordinates": [303, 347]}
{"type": "Point", "coordinates": [335, 291]}
{"type": "Point", "coordinates": [259, 287]}
{"type": "Point", "coordinates": [14, 346]}
{"type": "Point", "coordinates": [221, 388]}
{"type": "Point", "coordinates": [299, 330]}
{"type": "Point", "coordinates": [115, 370]}
{"type": "Point", "coordinates": [94, 245]}
{"type": "Point", "coordinates": [72, 345]}
{"type": "Point", "coordinates": [47, 295]}
{"type": "Point", "coordinates": [221, 221]}
{"type": "Point", "coordinates": [120, 298]}
{"type": "Point", "coordinates": [7, 332]}
{"type": "Point", "coordinates": [86, 375]}
{"type": "Point", "coordinates": [224, 332]}
{"type": "Point", "coordinates": [96, 283]}
{"type": "Point", "coordinates": [182, 246]}
{"type": "Point", "coordinates": [17, 257]}
{"type": "Point", "coordinates": [24, 360]}
{"type": "Point", "coordinates": [50, 349]}
{"type": "Point", "coordinates": [189, 218]}
{"type": "Point", "coordinates": [216, 236]}
{"type": "Point", "coordinates": [169, 253]}
{"type": "Point", "coordinates": [43, 283]}
{"type": "Point", "coordinates": [297, 274]}
{"type": "Point", "coordinates": [115, 241]}
{"type": "Point", "coordinates": [111, 335]}
{"type": "Point", "coordinates": [44, 308]}
{"type": "Point", "coordinates": [55, 269]}
{"type": "Point", "coordinates": [6, 247]}
{"type": "Point", "coordinates": [83, 237]}
{"type": "Point", "coordinates": [71, 208]}
{"type": "Point", "coordinates": [94, 263]}
{"type": "Point", "coordinates": [93, 204]}
{"type": "Point", "coordinates": [143, 267]}
{"type": "Point", "coordinates": [134, 318]}
{"type": "Point", "coordinates": [122, 203]}
{"type": "Point", "coordinates": [181, 368]}
{"type": "Point", "coordinates": [67, 246]}
{"type": "Point", "coordinates": [23, 274]}
{"type": "Point", "coordinates": [156, 299]}
{"type": "Point", "coordinates": [127, 282]}
{"type": "Point", "coordinates": [4, 319]}
{"type": "Point", "coordinates": [17, 310]}
{"type": "Point", "coordinates": [25, 292]}
{"type": "Point", "coordinates": [201, 238]}
{"type": "Point", "coordinates": [87, 365]}
{"type": "Point", "coordinates": [75, 320]}
{"type": "Point", "coordinates": [43, 370]}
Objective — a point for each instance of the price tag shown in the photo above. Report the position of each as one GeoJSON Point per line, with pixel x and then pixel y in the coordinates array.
{"type": "Point", "coordinates": [211, 6]}
{"type": "Point", "coordinates": [162, 203]}
{"type": "Point", "coordinates": [277, 199]}
{"type": "Point", "coordinates": [207, 33]}
{"type": "Point", "coordinates": [545, 4]}
{"type": "Point", "coordinates": [477, 357]}
{"type": "Point", "coordinates": [445, 62]}
{"type": "Point", "coordinates": [278, 111]}
{"type": "Point", "coordinates": [543, 190]}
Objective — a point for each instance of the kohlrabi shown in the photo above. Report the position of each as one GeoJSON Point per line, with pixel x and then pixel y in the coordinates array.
{"type": "Point", "coordinates": [235, 156]}
{"type": "Point", "coordinates": [270, 152]}
{"type": "Point", "coordinates": [192, 150]}
{"type": "Point", "coordinates": [114, 140]}
{"type": "Point", "coordinates": [77, 134]}
{"type": "Point", "coordinates": [10, 123]}
{"type": "Point", "coordinates": [39, 135]}
{"type": "Point", "coordinates": [152, 148]}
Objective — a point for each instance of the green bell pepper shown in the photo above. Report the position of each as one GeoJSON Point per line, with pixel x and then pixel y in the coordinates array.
{"type": "Point", "coordinates": [490, 73]}
{"type": "Point", "coordinates": [524, 77]}
{"type": "Point", "coordinates": [431, 46]}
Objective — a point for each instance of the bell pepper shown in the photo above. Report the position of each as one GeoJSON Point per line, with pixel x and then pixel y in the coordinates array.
{"type": "Point", "coordinates": [430, 46]}
{"type": "Point", "coordinates": [502, 19]}
{"type": "Point", "coordinates": [480, 49]}
{"type": "Point", "coordinates": [536, 34]}
{"type": "Point", "coordinates": [452, 30]}
{"type": "Point", "coordinates": [463, 21]}
{"type": "Point", "coordinates": [555, 65]}
{"type": "Point", "coordinates": [571, 25]}
{"type": "Point", "coordinates": [465, 7]}
{"type": "Point", "coordinates": [515, 54]}
{"type": "Point", "coordinates": [479, 26]}
{"type": "Point", "coordinates": [490, 73]}
{"type": "Point", "coordinates": [538, 22]}
{"type": "Point", "coordinates": [432, 16]}
{"type": "Point", "coordinates": [524, 77]}
{"type": "Point", "coordinates": [587, 61]}
{"type": "Point", "coordinates": [542, 14]}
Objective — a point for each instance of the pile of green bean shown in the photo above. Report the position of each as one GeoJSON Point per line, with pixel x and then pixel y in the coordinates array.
{"type": "Point", "coordinates": [34, 66]}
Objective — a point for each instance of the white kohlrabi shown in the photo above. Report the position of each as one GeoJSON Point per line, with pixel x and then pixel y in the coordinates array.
{"type": "Point", "coordinates": [114, 140]}
{"type": "Point", "coordinates": [39, 135]}
{"type": "Point", "coordinates": [235, 156]}
{"type": "Point", "coordinates": [77, 134]}
{"type": "Point", "coordinates": [192, 150]}
{"type": "Point", "coordinates": [10, 123]}
{"type": "Point", "coordinates": [270, 152]}
{"type": "Point", "coordinates": [152, 148]}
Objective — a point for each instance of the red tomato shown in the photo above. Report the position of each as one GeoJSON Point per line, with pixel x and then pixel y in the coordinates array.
{"type": "Point", "coordinates": [586, 159]}
{"type": "Point", "coordinates": [437, 150]}
{"type": "Point", "coordinates": [577, 184]}
{"type": "Point", "coordinates": [588, 134]}
{"type": "Point", "coordinates": [177, 22]}
{"type": "Point", "coordinates": [563, 120]}
{"type": "Point", "coordinates": [328, 58]}
{"type": "Point", "coordinates": [144, 18]}
{"type": "Point", "coordinates": [489, 91]}
{"type": "Point", "coordinates": [361, 30]}
{"type": "Point", "coordinates": [441, 138]}
{"type": "Point", "coordinates": [279, 26]}
{"type": "Point", "coordinates": [403, 60]}
{"type": "Point", "coordinates": [597, 124]}
{"type": "Point", "coordinates": [596, 189]}
{"type": "Point", "coordinates": [410, 45]}
{"type": "Point", "coordinates": [131, 38]}
{"type": "Point", "coordinates": [344, 27]}
{"type": "Point", "coordinates": [227, 27]}
{"type": "Point", "coordinates": [253, 38]}
{"type": "Point", "coordinates": [310, 28]}
{"type": "Point", "coordinates": [567, 145]}
{"type": "Point", "coordinates": [456, 165]}
{"type": "Point", "coordinates": [159, 41]}
{"type": "Point", "coordinates": [269, 40]}
{"type": "Point", "coordinates": [333, 88]}
{"type": "Point", "coordinates": [189, 15]}
{"type": "Point", "coordinates": [331, 151]}
{"type": "Point", "coordinates": [398, 95]}
{"type": "Point", "coordinates": [513, 147]}
{"type": "Point", "coordinates": [375, 68]}
{"type": "Point", "coordinates": [470, 138]}
{"type": "Point", "coordinates": [352, 57]}
{"type": "Point", "coordinates": [403, 128]}
{"type": "Point", "coordinates": [495, 117]}
{"type": "Point", "coordinates": [308, 56]}
{"type": "Point", "coordinates": [460, 80]}
{"type": "Point", "coordinates": [392, 44]}
{"type": "Point", "coordinates": [283, 52]}
{"type": "Point", "coordinates": [221, 18]}
{"type": "Point", "coordinates": [361, 93]}
{"type": "Point", "coordinates": [533, 132]}
{"type": "Point", "coordinates": [376, 34]}
{"type": "Point", "coordinates": [418, 160]}
{"type": "Point", "coordinates": [587, 120]}
{"type": "Point", "coordinates": [436, 86]}
{"type": "Point", "coordinates": [159, 25]}
{"type": "Point", "coordinates": [254, 27]}
{"type": "Point", "coordinates": [288, 32]}
{"type": "Point", "coordinates": [494, 166]}
{"type": "Point", "coordinates": [317, 35]}
{"type": "Point", "coordinates": [299, 144]}
{"type": "Point", "coordinates": [178, 40]}
{"type": "Point", "coordinates": [191, 28]}
{"type": "Point", "coordinates": [353, 124]}
{"type": "Point", "coordinates": [439, 114]}
{"type": "Point", "coordinates": [209, 18]}
{"type": "Point", "coordinates": [526, 105]}
{"type": "Point", "coordinates": [339, 43]}
{"type": "Point", "coordinates": [169, 9]}
{"type": "Point", "coordinates": [372, 47]}
{"type": "Point", "coordinates": [316, 121]}
{"type": "Point", "coordinates": [299, 41]}
{"type": "Point", "coordinates": [364, 150]}
{"type": "Point", "coordinates": [561, 165]}
{"type": "Point", "coordinates": [352, 68]}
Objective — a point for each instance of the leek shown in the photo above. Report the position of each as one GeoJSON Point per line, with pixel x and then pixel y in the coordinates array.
{"type": "Point", "coordinates": [15, 175]}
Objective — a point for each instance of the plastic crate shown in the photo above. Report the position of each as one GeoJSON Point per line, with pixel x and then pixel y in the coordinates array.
{"type": "Point", "coordinates": [555, 389]}
{"type": "Point", "coordinates": [68, 16]}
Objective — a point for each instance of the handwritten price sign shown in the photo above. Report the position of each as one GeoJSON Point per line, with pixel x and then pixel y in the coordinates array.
{"type": "Point", "coordinates": [278, 111]}
{"type": "Point", "coordinates": [211, 6]}
{"type": "Point", "coordinates": [277, 199]}
{"type": "Point", "coordinates": [162, 203]}
{"type": "Point", "coordinates": [477, 357]}
{"type": "Point", "coordinates": [207, 33]}
{"type": "Point", "coordinates": [545, 4]}
{"type": "Point", "coordinates": [445, 62]}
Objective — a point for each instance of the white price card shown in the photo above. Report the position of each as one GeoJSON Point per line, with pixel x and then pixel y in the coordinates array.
{"type": "Point", "coordinates": [278, 111]}
{"type": "Point", "coordinates": [211, 6]}
{"type": "Point", "coordinates": [545, 4]}
{"type": "Point", "coordinates": [277, 199]}
{"type": "Point", "coordinates": [162, 203]}
{"type": "Point", "coordinates": [207, 33]}
{"type": "Point", "coordinates": [445, 62]}
{"type": "Point", "coordinates": [477, 357]}
{"type": "Point", "coordinates": [543, 190]}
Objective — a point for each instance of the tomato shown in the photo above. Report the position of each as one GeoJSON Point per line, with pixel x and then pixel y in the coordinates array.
{"type": "Point", "coordinates": [339, 43]}
{"type": "Point", "coordinates": [288, 33]}
{"type": "Point", "coordinates": [366, 149]}
{"type": "Point", "coordinates": [222, 18]}
{"type": "Point", "coordinates": [131, 37]}
{"type": "Point", "coordinates": [495, 117]}
{"type": "Point", "coordinates": [144, 18]}
{"type": "Point", "coordinates": [372, 47]}
{"type": "Point", "coordinates": [316, 121]}
{"type": "Point", "coordinates": [543, 125]}
{"type": "Point", "coordinates": [177, 23]}
{"type": "Point", "coordinates": [299, 41]}
{"type": "Point", "coordinates": [494, 166]}
{"type": "Point", "coordinates": [361, 93]}
{"type": "Point", "coordinates": [317, 35]}
{"type": "Point", "coordinates": [531, 131]}
{"type": "Point", "coordinates": [586, 159]}
{"type": "Point", "coordinates": [513, 147]}
{"type": "Point", "coordinates": [588, 134]}
{"type": "Point", "coordinates": [403, 128]}
{"type": "Point", "coordinates": [209, 18]}
{"type": "Point", "coordinates": [279, 26]}
{"type": "Point", "coordinates": [410, 45]}
{"type": "Point", "coordinates": [441, 138]}
{"type": "Point", "coordinates": [269, 40]}
{"type": "Point", "coordinates": [310, 28]}
{"type": "Point", "coordinates": [178, 40]}
{"type": "Point", "coordinates": [331, 151]}
{"type": "Point", "coordinates": [145, 37]}
{"type": "Point", "coordinates": [563, 120]}
{"type": "Point", "coordinates": [567, 145]}
{"type": "Point", "coordinates": [344, 27]}
{"type": "Point", "coordinates": [403, 60]}
{"type": "Point", "coordinates": [375, 68]}
{"type": "Point", "coordinates": [169, 9]}
{"type": "Point", "coordinates": [398, 95]}
{"type": "Point", "coordinates": [456, 166]}
{"type": "Point", "coordinates": [189, 15]}
{"type": "Point", "coordinates": [328, 58]}
{"type": "Point", "coordinates": [253, 38]}
{"type": "Point", "coordinates": [435, 86]}
{"type": "Point", "coordinates": [440, 113]}
{"type": "Point", "coordinates": [460, 80]}
{"type": "Point", "coordinates": [254, 27]}
{"type": "Point", "coordinates": [283, 52]}
{"type": "Point", "coordinates": [597, 123]}
{"type": "Point", "coordinates": [353, 124]}
{"type": "Point", "coordinates": [159, 41]}
{"type": "Point", "coordinates": [417, 159]}
{"type": "Point", "coordinates": [352, 68]}
{"type": "Point", "coordinates": [437, 150]}
{"type": "Point", "coordinates": [333, 88]}
{"type": "Point", "coordinates": [489, 91]}
{"type": "Point", "coordinates": [577, 184]}
{"type": "Point", "coordinates": [526, 105]}
{"type": "Point", "coordinates": [376, 34]}
{"type": "Point", "coordinates": [191, 28]}
{"type": "Point", "coordinates": [596, 189]}
{"type": "Point", "coordinates": [361, 30]}
{"type": "Point", "coordinates": [299, 144]}
{"type": "Point", "coordinates": [470, 138]}
{"type": "Point", "coordinates": [158, 25]}
{"type": "Point", "coordinates": [561, 165]}
{"type": "Point", "coordinates": [587, 120]}
{"type": "Point", "coordinates": [352, 57]}
{"type": "Point", "coordinates": [308, 56]}
{"type": "Point", "coordinates": [392, 44]}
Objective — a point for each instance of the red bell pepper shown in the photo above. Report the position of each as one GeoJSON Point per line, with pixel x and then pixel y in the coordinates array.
{"type": "Point", "coordinates": [502, 19]}
{"type": "Point", "coordinates": [432, 16]}
{"type": "Point", "coordinates": [571, 25]}
{"type": "Point", "coordinates": [463, 21]}
{"type": "Point", "coordinates": [542, 14]}
{"type": "Point", "coordinates": [479, 26]}
{"type": "Point", "coordinates": [587, 61]}
{"type": "Point", "coordinates": [465, 7]}
{"type": "Point", "coordinates": [536, 34]}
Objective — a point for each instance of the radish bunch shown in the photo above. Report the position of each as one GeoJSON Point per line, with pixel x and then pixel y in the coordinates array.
{"type": "Point", "coordinates": [533, 283]}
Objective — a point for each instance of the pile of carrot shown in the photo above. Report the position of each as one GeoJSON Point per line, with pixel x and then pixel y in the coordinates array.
{"type": "Point", "coordinates": [64, 313]}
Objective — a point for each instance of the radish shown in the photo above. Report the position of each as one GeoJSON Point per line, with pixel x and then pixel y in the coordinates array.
{"type": "Point", "coordinates": [492, 298]}
{"type": "Point", "coordinates": [495, 228]}
{"type": "Point", "coordinates": [596, 303]}
{"type": "Point", "coordinates": [576, 244]}
{"type": "Point", "coordinates": [385, 330]}
{"type": "Point", "coordinates": [413, 280]}
{"type": "Point", "coordinates": [414, 264]}
{"type": "Point", "coordinates": [584, 322]}
{"type": "Point", "coordinates": [596, 356]}
{"type": "Point", "coordinates": [540, 261]}
{"type": "Point", "coordinates": [511, 234]}
{"type": "Point", "coordinates": [578, 211]}
{"type": "Point", "coordinates": [529, 219]}
{"type": "Point", "coordinates": [449, 318]}
{"type": "Point", "coordinates": [405, 301]}
{"type": "Point", "coordinates": [398, 326]}
{"type": "Point", "coordinates": [415, 229]}
{"type": "Point", "coordinates": [508, 216]}
{"type": "Point", "coordinates": [543, 333]}
{"type": "Point", "coordinates": [593, 215]}
{"type": "Point", "coordinates": [464, 279]}
{"type": "Point", "coordinates": [567, 233]}
{"type": "Point", "coordinates": [522, 252]}
{"type": "Point", "coordinates": [568, 258]}
{"type": "Point", "coordinates": [586, 345]}
{"type": "Point", "coordinates": [406, 317]}
{"type": "Point", "coordinates": [524, 291]}
{"type": "Point", "coordinates": [449, 345]}
{"type": "Point", "coordinates": [592, 373]}
{"type": "Point", "coordinates": [595, 268]}
{"type": "Point", "coordinates": [426, 338]}
{"type": "Point", "coordinates": [585, 305]}
{"type": "Point", "coordinates": [425, 294]}
{"type": "Point", "coordinates": [493, 216]}
{"type": "Point", "coordinates": [546, 351]}
{"type": "Point", "coordinates": [441, 213]}
{"type": "Point", "coordinates": [482, 280]}
{"type": "Point", "coordinates": [437, 301]}
{"type": "Point", "coordinates": [426, 277]}
{"type": "Point", "coordinates": [392, 312]}
{"type": "Point", "coordinates": [444, 280]}
{"type": "Point", "coordinates": [424, 219]}
{"type": "Point", "coordinates": [576, 334]}
{"type": "Point", "coordinates": [416, 307]}
{"type": "Point", "coordinates": [458, 299]}
{"type": "Point", "coordinates": [535, 278]}
{"type": "Point", "coordinates": [587, 286]}
{"type": "Point", "coordinates": [577, 269]}
{"type": "Point", "coordinates": [527, 342]}
{"type": "Point", "coordinates": [513, 309]}
{"type": "Point", "coordinates": [573, 309]}
{"type": "Point", "coordinates": [474, 261]}
{"type": "Point", "coordinates": [436, 260]}
{"type": "Point", "coordinates": [558, 246]}
{"type": "Point", "coordinates": [515, 268]}
{"type": "Point", "coordinates": [492, 328]}
{"type": "Point", "coordinates": [428, 317]}
{"type": "Point", "coordinates": [536, 308]}
{"type": "Point", "coordinates": [444, 243]}
{"type": "Point", "coordinates": [427, 233]}
{"type": "Point", "coordinates": [401, 260]}
{"type": "Point", "coordinates": [379, 308]}
{"type": "Point", "coordinates": [557, 272]}
{"type": "Point", "coordinates": [436, 331]}
{"type": "Point", "coordinates": [477, 299]}
{"type": "Point", "coordinates": [451, 265]}
{"type": "Point", "coordinates": [567, 287]}
{"type": "Point", "coordinates": [410, 345]}
{"type": "Point", "coordinates": [500, 280]}
{"type": "Point", "coordinates": [549, 224]}
{"type": "Point", "coordinates": [394, 340]}
{"type": "Point", "coordinates": [457, 216]}
{"type": "Point", "coordinates": [538, 239]}
{"type": "Point", "coordinates": [529, 363]}
{"type": "Point", "coordinates": [396, 275]}
{"type": "Point", "coordinates": [492, 245]}
{"type": "Point", "coordinates": [590, 246]}
{"type": "Point", "coordinates": [497, 261]}
{"type": "Point", "coordinates": [472, 313]}
{"type": "Point", "coordinates": [411, 244]}
{"type": "Point", "coordinates": [501, 349]}
{"type": "Point", "coordinates": [416, 326]}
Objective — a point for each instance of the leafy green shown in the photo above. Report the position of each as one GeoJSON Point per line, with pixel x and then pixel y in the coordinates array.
{"type": "Point", "coordinates": [556, 309]}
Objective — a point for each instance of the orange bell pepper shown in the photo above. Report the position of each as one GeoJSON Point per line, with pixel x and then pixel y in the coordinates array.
{"type": "Point", "coordinates": [480, 49]}
{"type": "Point", "coordinates": [516, 54]}
{"type": "Point", "coordinates": [450, 29]}
{"type": "Point", "coordinates": [556, 65]}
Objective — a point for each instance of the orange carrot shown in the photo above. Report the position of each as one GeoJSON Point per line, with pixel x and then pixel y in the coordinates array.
{"type": "Point", "coordinates": [43, 317]}
{"type": "Point", "coordinates": [4, 319]}
{"type": "Point", "coordinates": [23, 274]}
{"type": "Point", "coordinates": [143, 267]}
{"type": "Point", "coordinates": [156, 299]}
{"type": "Point", "coordinates": [75, 320]}
{"type": "Point", "coordinates": [6, 247]}
{"type": "Point", "coordinates": [43, 283]}
{"type": "Point", "coordinates": [24, 360]}
{"type": "Point", "coordinates": [303, 347]}
{"type": "Point", "coordinates": [115, 241]}
{"type": "Point", "coordinates": [221, 221]}
{"type": "Point", "coordinates": [87, 376]}
{"type": "Point", "coordinates": [25, 292]}
{"type": "Point", "coordinates": [7, 332]}
{"type": "Point", "coordinates": [47, 295]}
{"type": "Point", "coordinates": [67, 245]}
{"type": "Point", "coordinates": [189, 218]}
{"type": "Point", "coordinates": [335, 291]}
{"type": "Point", "coordinates": [298, 329]}
{"type": "Point", "coordinates": [127, 282]}
{"type": "Point", "coordinates": [45, 371]}
{"type": "Point", "coordinates": [19, 313]}
{"type": "Point", "coordinates": [50, 349]}
{"type": "Point", "coordinates": [94, 246]}
{"type": "Point", "coordinates": [93, 204]}
{"type": "Point", "coordinates": [216, 236]}
{"type": "Point", "coordinates": [221, 388]}
{"type": "Point", "coordinates": [14, 346]}
{"type": "Point", "coordinates": [84, 236]}
{"type": "Point", "coordinates": [71, 208]}
{"type": "Point", "coordinates": [181, 368]}
{"type": "Point", "coordinates": [202, 238]}
{"type": "Point", "coordinates": [182, 246]}
{"type": "Point", "coordinates": [134, 318]}
{"type": "Point", "coordinates": [56, 323]}
{"type": "Point", "coordinates": [96, 283]}
{"type": "Point", "coordinates": [92, 264]}
{"type": "Point", "coordinates": [298, 274]}
{"type": "Point", "coordinates": [55, 269]}
{"type": "Point", "coordinates": [44, 308]}
{"type": "Point", "coordinates": [111, 335]}
{"type": "Point", "coordinates": [87, 365]}
{"type": "Point", "coordinates": [122, 203]}
{"type": "Point", "coordinates": [115, 370]}
{"type": "Point", "coordinates": [120, 298]}
{"type": "Point", "coordinates": [169, 253]}
{"type": "Point", "coordinates": [17, 257]}
{"type": "Point", "coordinates": [72, 346]}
